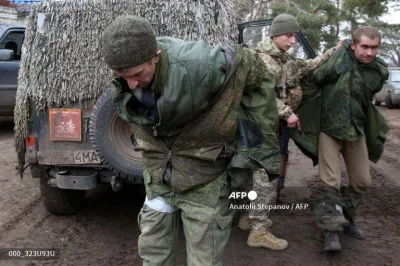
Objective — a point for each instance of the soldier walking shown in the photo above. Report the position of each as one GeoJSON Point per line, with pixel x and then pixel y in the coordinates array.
{"type": "Point", "coordinates": [184, 101]}
{"type": "Point", "coordinates": [350, 126]}
{"type": "Point", "coordinates": [287, 70]}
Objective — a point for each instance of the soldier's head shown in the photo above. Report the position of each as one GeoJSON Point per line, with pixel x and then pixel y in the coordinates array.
{"type": "Point", "coordinates": [283, 31]}
{"type": "Point", "coordinates": [129, 47]}
{"type": "Point", "coordinates": [365, 44]}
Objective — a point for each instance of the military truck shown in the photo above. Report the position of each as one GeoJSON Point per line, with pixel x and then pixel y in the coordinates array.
{"type": "Point", "coordinates": [11, 38]}
{"type": "Point", "coordinates": [67, 130]}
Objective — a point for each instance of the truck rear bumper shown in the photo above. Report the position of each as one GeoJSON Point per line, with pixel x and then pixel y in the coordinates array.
{"type": "Point", "coordinates": [73, 179]}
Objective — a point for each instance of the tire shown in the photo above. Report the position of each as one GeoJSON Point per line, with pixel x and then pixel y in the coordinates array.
{"type": "Point", "coordinates": [61, 201]}
{"type": "Point", "coordinates": [388, 102]}
{"type": "Point", "coordinates": [111, 138]}
{"type": "Point", "coordinates": [377, 103]}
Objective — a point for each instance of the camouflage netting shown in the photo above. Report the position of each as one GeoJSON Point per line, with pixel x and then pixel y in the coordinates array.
{"type": "Point", "coordinates": [61, 60]}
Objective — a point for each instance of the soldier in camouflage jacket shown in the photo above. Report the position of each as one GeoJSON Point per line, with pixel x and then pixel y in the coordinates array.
{"type": "Point", "coordinates": [184, 101]}
{"type": "Point", "coordinates": [348, 82]}
{"type": "Point", "coordinates": [286, 70]}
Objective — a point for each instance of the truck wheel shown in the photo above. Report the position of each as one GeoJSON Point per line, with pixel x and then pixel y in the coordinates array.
{"type": "Point", "coordinates": [111, 138]}
{"type": "Point", "coordinates": [61, 201]}
{"type": "Point", "coordinates": [388, 102]}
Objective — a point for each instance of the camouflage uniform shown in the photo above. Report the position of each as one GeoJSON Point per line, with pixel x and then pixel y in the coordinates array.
{"type": "Point", "coordinates": [204, 94]}
{"type": "Point", "coordinates": [287, 70]}
{"type": "Point", "coordinates": [348, 87]}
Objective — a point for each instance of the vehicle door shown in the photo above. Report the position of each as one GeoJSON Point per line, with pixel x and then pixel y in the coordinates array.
{"type": "Point", "coordinates": [11, 39]}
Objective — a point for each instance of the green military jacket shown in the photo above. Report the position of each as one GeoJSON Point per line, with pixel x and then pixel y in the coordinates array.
{"type": "Point", "coordinates": [204, 93]}
{"type": "Point", "coordinates": [343, 108]}
{"type": "Point", "coordinates": [348, 87]}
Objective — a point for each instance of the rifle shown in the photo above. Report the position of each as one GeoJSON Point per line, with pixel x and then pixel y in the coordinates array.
{"type": "Point", "coordinates": [283, 136]}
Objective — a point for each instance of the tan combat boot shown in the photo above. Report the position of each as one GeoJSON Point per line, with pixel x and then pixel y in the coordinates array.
{"type": "Point", "coordinates": [265, 239]}
{"type": "Point", "coordinates": [245, 223]}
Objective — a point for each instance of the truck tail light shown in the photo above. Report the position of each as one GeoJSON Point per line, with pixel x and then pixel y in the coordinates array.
{"type": "Point", "coordinates": [31, 142]}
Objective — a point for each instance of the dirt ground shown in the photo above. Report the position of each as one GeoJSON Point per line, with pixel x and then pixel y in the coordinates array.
{"type": "Point", "coordinates": [105, 231]}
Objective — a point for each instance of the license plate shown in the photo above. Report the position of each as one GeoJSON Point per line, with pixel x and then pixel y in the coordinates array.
{"type": "Point", "coordinates": [85, 157]}
{"type": "Point", "coordinates": [397, 92]}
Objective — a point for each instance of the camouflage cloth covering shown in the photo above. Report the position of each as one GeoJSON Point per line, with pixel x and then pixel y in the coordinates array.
{"type": "Point", "coordinates": [329, 211]}
{"type": "Point", "coordinates": [336, 209]}
{"type": "Point", "coordinates": [309, 113]}
{"type": "Point", "coordinates": [288, 70]}
{"type": "Point", "coordinates": [342, 117]}
{"type": "Point", "coordinates": [61, 62]}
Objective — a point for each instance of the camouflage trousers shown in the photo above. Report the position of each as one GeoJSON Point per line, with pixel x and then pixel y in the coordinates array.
{"type": "Point", "coordinates": [206, 231]}
{"type": "Point", "coordinates": [266, 195]}
{"type": "Point", "coordinates": [336, 209]}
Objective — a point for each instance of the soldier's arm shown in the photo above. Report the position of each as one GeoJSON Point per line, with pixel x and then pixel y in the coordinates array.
{"type": "Point", "coordinates": [306, 67]}
{"type": "Point", "coordinates": [284, 111]}
{"type": "Point", "coordinates": [324, 74]}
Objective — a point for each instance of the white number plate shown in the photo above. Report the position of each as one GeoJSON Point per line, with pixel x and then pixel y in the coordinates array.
{"type": "Point", "coordinates": [85, 157]}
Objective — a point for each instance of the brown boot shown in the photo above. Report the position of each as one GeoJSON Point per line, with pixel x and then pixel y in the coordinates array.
{"type": "Point", "coordinates": [245, 223]}
{"type": "Point", "coordinates": [265, 239]}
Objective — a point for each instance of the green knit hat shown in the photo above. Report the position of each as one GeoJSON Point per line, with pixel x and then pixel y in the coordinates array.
{"type": "Point", "coordinates": [282, 24]}
{"type": "Point", "coordinates": [128, 41]}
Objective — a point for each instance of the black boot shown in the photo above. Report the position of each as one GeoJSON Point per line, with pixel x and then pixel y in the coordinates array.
{"type": "Point", "coordinates": [332, 241]}
{"type": "Point", "coordinates": [353, 231]}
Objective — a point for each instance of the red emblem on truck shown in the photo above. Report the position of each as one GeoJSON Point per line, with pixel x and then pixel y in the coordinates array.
{"type": "Point", "coordinates": [65, 124]}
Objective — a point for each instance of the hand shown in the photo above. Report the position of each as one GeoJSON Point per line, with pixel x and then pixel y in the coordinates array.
{"type": "Point", "coordinates": [339, 44]}
{"type": "Point", "coordinates": [293, 121]}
